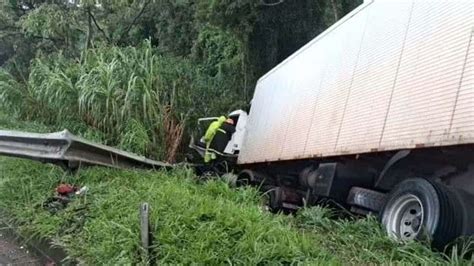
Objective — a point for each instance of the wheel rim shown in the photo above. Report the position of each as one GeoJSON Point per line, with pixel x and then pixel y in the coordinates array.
{"type": "Point", "coordinates": [406, 218]}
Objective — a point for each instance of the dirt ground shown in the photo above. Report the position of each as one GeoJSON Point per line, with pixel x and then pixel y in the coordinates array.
{"type": "Point", "coordinates": [13, 254]}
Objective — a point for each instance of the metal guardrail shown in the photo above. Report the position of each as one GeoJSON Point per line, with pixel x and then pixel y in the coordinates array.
{"type": "Point", "coordinates": [68, 150]}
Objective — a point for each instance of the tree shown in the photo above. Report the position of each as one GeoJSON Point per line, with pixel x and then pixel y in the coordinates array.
{"type": "Point", "coordinates": [267, 31]}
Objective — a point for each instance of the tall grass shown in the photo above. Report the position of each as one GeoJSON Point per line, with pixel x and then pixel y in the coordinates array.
{"type": "Point", "coordinates": [14, 96]}
{"type": "Point", "coordinates": [133, 95]}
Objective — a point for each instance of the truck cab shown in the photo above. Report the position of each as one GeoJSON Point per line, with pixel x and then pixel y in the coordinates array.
{"type": "Point", "coordinates": [231, 151]}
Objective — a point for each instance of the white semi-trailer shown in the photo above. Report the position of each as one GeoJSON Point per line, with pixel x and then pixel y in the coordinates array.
{"type": "Point", "coordinates": [376, 113]}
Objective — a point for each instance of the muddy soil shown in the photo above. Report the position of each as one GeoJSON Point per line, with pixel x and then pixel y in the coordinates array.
{"type": "Point", "coordinates": [13, 253]}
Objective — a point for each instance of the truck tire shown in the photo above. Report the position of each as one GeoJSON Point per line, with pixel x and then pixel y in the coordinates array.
{"type": "Point", "coordinates": [423, 210]}
{"type": "Point", "coordinates": [245, 178]}
{"type": "Point", "coordinates": [274, 198]}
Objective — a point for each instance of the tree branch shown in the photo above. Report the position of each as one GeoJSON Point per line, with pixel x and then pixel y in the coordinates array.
{"type": "Point", "coordinates": [129, 27]}
{"type": "Point", "coordinates": [98, 27]}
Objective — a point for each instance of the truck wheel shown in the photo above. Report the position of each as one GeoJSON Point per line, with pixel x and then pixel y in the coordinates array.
{"type": "Point", "coordinates": [273, 198]}
{"type": "Point", "coordinates": [422, 209]}
{"type": "Point", "coordinates": [245, 178]}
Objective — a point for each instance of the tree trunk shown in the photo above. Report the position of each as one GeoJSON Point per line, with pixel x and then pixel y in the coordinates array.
{"type": "Point", "coordinates": [89, 28]}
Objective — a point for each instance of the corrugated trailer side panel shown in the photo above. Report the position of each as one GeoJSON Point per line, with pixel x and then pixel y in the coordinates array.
{"type": "Point", "coordinates": [430, 73]}
{"type": "Point", "coordinates": [392, 75]}
{"type": "Point", "coordinates": [343, 48]}
{"type": "Point", "coordinates": [284, 132]}
{"type": "Point", "coordinates": [374, 78]}
{"type": "Point", "coordinates": [462, 127]}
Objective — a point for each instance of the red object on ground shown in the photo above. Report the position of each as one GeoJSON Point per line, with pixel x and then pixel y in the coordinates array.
{"type": "Point", "coordinates": [65, 189]}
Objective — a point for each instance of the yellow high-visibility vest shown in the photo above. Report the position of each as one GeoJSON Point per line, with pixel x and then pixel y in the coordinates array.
{"type": "Point", "coordinates": [209, 136]}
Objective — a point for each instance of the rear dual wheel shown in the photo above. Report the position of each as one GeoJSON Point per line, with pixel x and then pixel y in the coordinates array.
{"type": "Point", "coordinates": [423, 210]}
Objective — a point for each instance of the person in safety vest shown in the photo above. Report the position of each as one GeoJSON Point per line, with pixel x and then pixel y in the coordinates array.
{"type": "Point", "coordinates": [217, 136]}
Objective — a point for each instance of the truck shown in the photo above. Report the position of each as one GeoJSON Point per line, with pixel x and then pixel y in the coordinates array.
{"type": "Point", "coordinates": [375, 114]}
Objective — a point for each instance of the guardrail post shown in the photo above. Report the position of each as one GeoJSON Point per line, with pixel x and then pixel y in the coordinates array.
{"type": "Point", "coordinates": [145, 231]}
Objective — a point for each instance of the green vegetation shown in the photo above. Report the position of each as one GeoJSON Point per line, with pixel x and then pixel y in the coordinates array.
{"type": "Point", "coordinates": [193, 222]}
{"type": "Point", "coordinates": [136, 74]}
{"type": "Point", "coordinates": [204, 222]}
{"type": "Point", "coordinates": [133, 96]}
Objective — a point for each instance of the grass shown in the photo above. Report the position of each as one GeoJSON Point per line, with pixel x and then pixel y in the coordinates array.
{"type": "Point", "coordinates": [205, 223]}
{"type": "Point", "coordinates": [8, 122]}
{"type": "Point", "coordinates": [193, 222]}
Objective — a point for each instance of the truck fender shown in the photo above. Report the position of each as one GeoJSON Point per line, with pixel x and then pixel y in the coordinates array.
{"type": "Point", "coordinates": [383, 178]}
